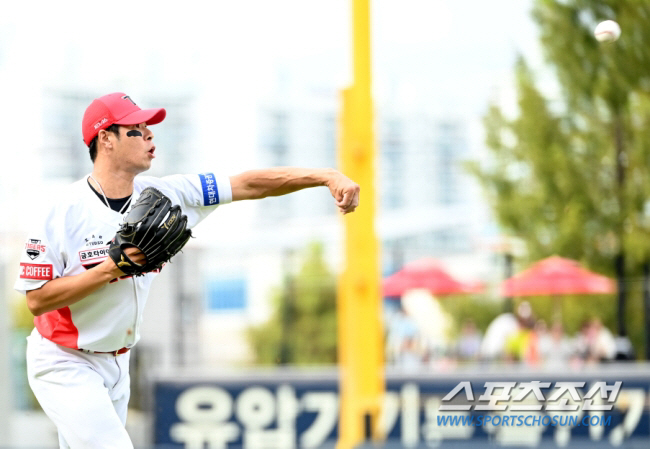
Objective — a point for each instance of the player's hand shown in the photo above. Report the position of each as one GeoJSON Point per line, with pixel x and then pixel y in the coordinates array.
{"type": "Point", "coordinates": [345, 192]}
{"type": "Point", "coordinates": [134, 254]}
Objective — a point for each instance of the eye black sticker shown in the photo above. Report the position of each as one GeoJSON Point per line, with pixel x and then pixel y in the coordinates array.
{"type": "Point", "coordinates": [134, 133]}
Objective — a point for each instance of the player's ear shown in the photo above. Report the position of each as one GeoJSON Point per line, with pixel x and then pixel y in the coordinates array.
{"type": "Point", "coordinates": [102, 138]}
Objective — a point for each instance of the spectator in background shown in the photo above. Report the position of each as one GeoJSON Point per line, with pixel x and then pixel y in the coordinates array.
{"type": "Point", "coordinates": [603, 345]}
{"type": "Point", "coordinates": [544, 341]}
{"type": "Point", "coordinates": [559, 350]}
{"type": "Point", "coordinates": [624, 349]}
{"type": "Point", "coordinates": [411, 355]}
{"type": "Point", "coordinates": [493, 343]}
{"type": "Point", "coordinates": [523, 345]}
{"type": "Point", "coordinates": [469, 342]}
{"type": "Point", "coordinates": [595, 343]}
{"type": "Point", "coordinates": [583, 341]}
{"type": "Point", "coordinates": [401, 333]}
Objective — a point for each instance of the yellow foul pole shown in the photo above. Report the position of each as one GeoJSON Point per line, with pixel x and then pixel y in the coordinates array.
{"type": "Point", "coordinates": [360, 332]}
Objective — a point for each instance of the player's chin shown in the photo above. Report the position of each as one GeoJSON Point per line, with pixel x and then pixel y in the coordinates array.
{"type": "Point", "coordinates": [146, 165]}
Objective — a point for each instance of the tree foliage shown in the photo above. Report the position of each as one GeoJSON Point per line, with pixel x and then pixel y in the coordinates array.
{"type": "Point", "coordinates": [555, 181]}
{"type": "Point", "coordinates": [302, 328]}
{"type": "Point", "coordinates": [570, 171]}
{"type": "Point", "coordinates": [475, 308]}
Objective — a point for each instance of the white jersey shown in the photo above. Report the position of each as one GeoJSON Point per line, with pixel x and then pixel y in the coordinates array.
{"type": "Point", "coordinates": [74, 238]}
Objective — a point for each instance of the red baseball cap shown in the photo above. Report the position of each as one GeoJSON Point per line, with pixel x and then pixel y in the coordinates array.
{"type": "Point", "coordinates": [116, 109]}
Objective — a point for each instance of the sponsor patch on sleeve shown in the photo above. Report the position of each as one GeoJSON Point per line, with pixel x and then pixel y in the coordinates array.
{"type": "Point", "coordinates": [36, 271]}
{"type": "Point", "coordinates": [210, 191]}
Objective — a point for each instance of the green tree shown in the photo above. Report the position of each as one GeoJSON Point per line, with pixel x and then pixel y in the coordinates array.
{"type": "Point", "coordinates": [302, 328]}
{"type": "Point", "coordinates": [570, 173]}
{"type": "Point", "coordinates": [471, 307]}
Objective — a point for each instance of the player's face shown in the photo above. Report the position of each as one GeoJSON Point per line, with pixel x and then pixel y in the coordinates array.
{"type": "Point", "coordinates": [134, 150]}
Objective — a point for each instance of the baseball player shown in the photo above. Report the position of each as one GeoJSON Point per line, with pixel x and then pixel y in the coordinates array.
{"type": "Point", "coordinates": [87, 311]}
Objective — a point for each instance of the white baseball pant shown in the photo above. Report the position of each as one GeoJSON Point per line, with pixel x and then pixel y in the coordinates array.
{"type": "Point", "coordinates": [86, 395]}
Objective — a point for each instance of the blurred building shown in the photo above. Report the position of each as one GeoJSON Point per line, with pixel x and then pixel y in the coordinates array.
{"type": "Point", "coordinates": [428, 207]}
{"type": "Point", "coordinates": [428, 204]}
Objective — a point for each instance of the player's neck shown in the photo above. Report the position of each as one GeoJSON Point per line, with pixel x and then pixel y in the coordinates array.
{"type": "Point", "coordinates": [114, 184]}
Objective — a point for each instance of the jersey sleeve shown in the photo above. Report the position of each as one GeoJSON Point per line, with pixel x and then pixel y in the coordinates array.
{"type": "Point", "coordinates": [198, 195]}
{"type": "Point", "coordinates": [41, 259]}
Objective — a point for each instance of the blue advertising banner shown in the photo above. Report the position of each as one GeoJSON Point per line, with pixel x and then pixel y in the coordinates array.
{"type": "Point", "coordinates": [607, 408]}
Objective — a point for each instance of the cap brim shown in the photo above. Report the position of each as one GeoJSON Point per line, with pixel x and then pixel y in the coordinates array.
{"type": "Point", "coordinates": [148, 116]}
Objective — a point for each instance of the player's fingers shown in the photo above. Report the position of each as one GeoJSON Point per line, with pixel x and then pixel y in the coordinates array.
{"type": "Point", "coordinates": [339, 196]}
{"type": "Point", "coordinates": [355, 199]}
{"type": "Point", "coordinates": [132, 251]}
{"type": "Point", "coordinates": [351, 197]}
{"type": "Point", "coordinates": [344, 201]}
{"type": "Point", "coordinates": [348, 209]}
{"type": "Point", "coordinates": [135, 255]}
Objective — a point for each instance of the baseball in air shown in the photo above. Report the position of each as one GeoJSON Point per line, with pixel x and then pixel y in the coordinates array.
{"type": "Point", "coordinates": [607, 31]}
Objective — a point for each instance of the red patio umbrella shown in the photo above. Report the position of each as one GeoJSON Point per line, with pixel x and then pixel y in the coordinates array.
{"type": "Point", "coordinates": [425, 273]}
{"type": "Point", "coordinates": [556, 276]}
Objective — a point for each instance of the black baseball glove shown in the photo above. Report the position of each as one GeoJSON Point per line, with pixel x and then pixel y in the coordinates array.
{"type": "Point", "coordinates": [155, 227]}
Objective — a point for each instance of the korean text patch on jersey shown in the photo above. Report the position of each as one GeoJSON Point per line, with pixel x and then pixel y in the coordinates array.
{"type": "Point", "coordinates": [36, 271]}
{"type": "Point", "coordinates": [93, 254]}
{"type": "Point", "coordinates": [210, 191]}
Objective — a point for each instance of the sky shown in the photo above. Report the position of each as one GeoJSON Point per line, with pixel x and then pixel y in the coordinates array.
{"type": "Point", "coordinates": [438, 48]}
{"type": "Point", "coordinates": [446, 58]}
